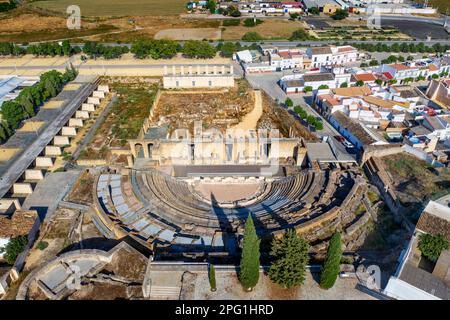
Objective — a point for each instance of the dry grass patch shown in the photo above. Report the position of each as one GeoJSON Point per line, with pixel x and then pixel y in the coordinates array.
{"type": "Point", "coordinates": [53, 104]}
{"type": "Point", "coordinates": [107, 8]}
{"type": "Point", "coordinates": [7, 153]}
{"type": "Point", "coordinates": [270, 29]}
{"type": "Point", "coordinates": [82, 190]}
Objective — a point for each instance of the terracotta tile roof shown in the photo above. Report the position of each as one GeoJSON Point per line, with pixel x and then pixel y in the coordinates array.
{"type": "Point", "coordinates": [330, 99]}
{"type": "Point", "coordinates": [353, 91]}
{"type": "Point", "coordinates": [20, 223]}
{"type": "Point", "coordinates": [399, 66]}
{"type": "Point", "coordinates": [321, 50]}
{"type": "Point", "coordinates": [433, 67]}
{"type": "Point", "coordinates": [388, 104]}
{"type": "Point", "coordinates": [346, 49]}
{"type": "Point", "coordinates": [366, 77]}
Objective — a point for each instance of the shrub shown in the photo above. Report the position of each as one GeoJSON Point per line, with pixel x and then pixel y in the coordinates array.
{"type": "Point", "coordinates": [331, 267]}
{"type": "Point", "coordinates": [42, 245]}
{"type": "Point", "coordinates": [212, 278]}
{"type": "Point", "coordinates": [252, 22]}
{"type": "Point", "coordinates": [252, 36]}
{"type": "Point", "coordinates": [231, 22]}
{"type": "Point", "coordinates": [324, 86]}
{"type": "Point", "coordinates": [344, 85]}
{"type": "Point", "coordinates": [300, 35]}
{"type": "Point", "coordinates": [13, 248]}
{"type": "Point", "coordinates": [318, 125]}
{"type": "Point", "coordinates": [288, 102]}
{"type": "Point", "coordinates": [290, 257]}
{"type": "Point", "coordinates": [432, 246]}
{"type": "Point", "coordinates": [340, 14]}
{"type": "Point", "coordinates": [307, 89]}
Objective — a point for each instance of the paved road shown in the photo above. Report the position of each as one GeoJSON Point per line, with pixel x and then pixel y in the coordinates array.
{"type": "Point", "coordinates": [268, 83]}
{"type": "Point", "coordinates": [27, 157]}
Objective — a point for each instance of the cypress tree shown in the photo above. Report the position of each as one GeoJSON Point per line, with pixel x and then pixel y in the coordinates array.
{"type": "Point", "coordinates": [290, 255]}
{"type": "Point", "coordinates": [331, 267]}
{"type": "Point", "coordinates": [249, 269]}
{"type": "Point", "coordinates": [212, 278]}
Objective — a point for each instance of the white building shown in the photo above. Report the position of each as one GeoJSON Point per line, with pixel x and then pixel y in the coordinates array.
{"type": "Point", "coordinates": [327, 56]}
{"type": "Point", "coordinates": [206, 76]}
{"type": "Point", "coordinates": [413, 282]}
{"type": "Point", "coordinates": [399, 71]}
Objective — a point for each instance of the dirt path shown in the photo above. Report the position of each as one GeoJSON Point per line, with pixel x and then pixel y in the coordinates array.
{"type": "Point", "coordinates": [250, 120]}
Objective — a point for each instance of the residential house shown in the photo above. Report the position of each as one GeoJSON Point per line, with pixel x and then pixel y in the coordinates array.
{"type": "Point", "coordinates": [417, 277]}
{"type": "Point", "coordinates": [325, 6]}
{"type": "Point", "coordinates": [399, 71]}
{"type": "Point", "coordinates": [439, 91]}
{"type": "Point", "coordinates": [438, 125]}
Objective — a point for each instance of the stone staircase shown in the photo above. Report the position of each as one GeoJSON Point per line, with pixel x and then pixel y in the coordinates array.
{"type": "Point", "coordinates": [165, 293]}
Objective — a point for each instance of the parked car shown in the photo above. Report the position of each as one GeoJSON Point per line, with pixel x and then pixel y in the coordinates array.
{"type": "Point", "coordinates": [339, 138]}
{"type": "Point", "coordinates": [347, 144]}
{"type": "Point", "coordinates": [296, 71]}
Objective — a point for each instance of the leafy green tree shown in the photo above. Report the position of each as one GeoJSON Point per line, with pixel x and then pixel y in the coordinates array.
{"type": "Point", "coordinates": [290, 257]}
{"type": "Point", "coordinates": [155, 49]}
{"type": "Point", "coordinates": [211, 5]}
{"type": "Point", "coordinates": [307, 89]}
{"type": "Point", "coordinates": [318, 125]}
{"type": "Point", "coordinates": [249, 267]}
{"type": "Point", "coordinates": [311, 120]}
{"type": "Point", "coordinates": [379, 82]}
{"type": "Point", "coordinates": [314, 10]}
{"type": "Point", "coordinates": [198, 49]}
{"type": "Point", "coordinates": [344, 85]}
{"type": "Point", "coordinates": [12, 113]}
{"type": "Point", "coordinates": [359, 83]}
{"type": "Point", "coordinates": [252, 22]}
{"type": "Point", "coordinates": [331, 267]}
{"type": "Point", "coordinates": [373, 63]}
{"type": "Point", "coordinates": [13, 248]}
{"type": "Point", "coordinates": [300, 35]}
{"type": "Point", "coordinates": [233, 11]}
{"type": "Point", "coordinates": [324, 86]}
{"type": "Point", "coordinates": [431, 246]}
{"type": "Point", "coordinates": [340, 14]}
{"type": "Point", "coordinates": [252, 36]}
{"type": "Point", "coordinates": [228, 49]}
{"type": "Point", "coordinates": [288, 102]}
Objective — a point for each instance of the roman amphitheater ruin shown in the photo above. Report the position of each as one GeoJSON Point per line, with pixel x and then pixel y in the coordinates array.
{"type": "Point", "coordinates": [205, 159]}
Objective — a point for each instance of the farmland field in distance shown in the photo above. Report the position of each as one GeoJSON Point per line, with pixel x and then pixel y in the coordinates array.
{"type": "Point", "coordinates": [115, 8]}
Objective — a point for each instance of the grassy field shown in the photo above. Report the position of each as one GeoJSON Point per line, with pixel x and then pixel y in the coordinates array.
{"type": "Point", "coordinates": [108, 8]}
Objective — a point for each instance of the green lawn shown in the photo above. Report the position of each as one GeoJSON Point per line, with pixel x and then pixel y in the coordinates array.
{"type": "Point", "coordinates": [115, 8]}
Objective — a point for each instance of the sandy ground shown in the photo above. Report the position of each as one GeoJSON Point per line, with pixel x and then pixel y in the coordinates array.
{"type": "Point", "coordinates": [53, 104]}
{"type": "Point", "coordinates": [228, 192]}
{"type": "Point", "coordinates": [31, 126]}
{"type": "Point", "coordinates": [250, 120]}
{"type": "Point", "coordinates": [72, 87]}
{"type": "Point", "coordinates": [6, 154]}
{"type": "Point", "coordinates": [190, 34]}
{"type": "Point", "coordinates": [271, 28]}
{"type": "Point", "coordinates": [228, 288]}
